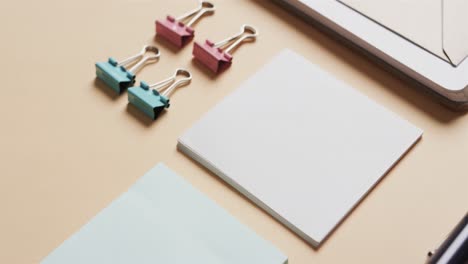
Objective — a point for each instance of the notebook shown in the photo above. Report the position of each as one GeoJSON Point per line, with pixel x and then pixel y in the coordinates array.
{"type": "Point", "coordinates": [163, 219]}
{"type": "Point", "coordinates": [300, 144]}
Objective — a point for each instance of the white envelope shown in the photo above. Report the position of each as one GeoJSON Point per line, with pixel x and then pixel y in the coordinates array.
{"type": "Point", "coordinates": [438, 26]}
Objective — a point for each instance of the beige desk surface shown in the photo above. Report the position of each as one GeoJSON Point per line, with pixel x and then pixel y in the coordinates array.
{"type": "Point", "coordinates": [68, 146]}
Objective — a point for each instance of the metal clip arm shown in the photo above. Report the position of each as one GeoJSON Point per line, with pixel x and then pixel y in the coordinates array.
{"type": "Point", "coordinates": [203, 8]}
{"type": "Point", "coordinates": [247, 32]}
{"type": "Point", "coordinates": [141, 59]}
{"type": "Point", "coordinates": [167, 86]}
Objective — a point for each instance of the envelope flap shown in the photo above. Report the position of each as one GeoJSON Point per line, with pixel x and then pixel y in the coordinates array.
{"type": "Point", "coordinates": [419, 21]}
{"type": "Point", "coordinates": [455, 32]}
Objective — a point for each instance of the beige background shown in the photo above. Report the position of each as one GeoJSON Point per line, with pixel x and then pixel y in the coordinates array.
{"type": "Point", "coordinates": [69, 146]}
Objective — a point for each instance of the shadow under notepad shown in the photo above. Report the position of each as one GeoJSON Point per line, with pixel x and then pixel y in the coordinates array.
{"type": "Point", "coordinates": [396, 82]}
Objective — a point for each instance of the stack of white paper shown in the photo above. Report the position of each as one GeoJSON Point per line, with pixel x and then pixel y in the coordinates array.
{"type": "Point", "coordinates": [300, 144]}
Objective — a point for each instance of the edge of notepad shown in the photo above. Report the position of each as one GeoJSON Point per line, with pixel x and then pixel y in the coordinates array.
{"type": "Point", "coordinates": [193, 154]}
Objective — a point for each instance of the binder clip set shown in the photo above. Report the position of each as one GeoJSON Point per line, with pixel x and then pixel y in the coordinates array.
{"type": "Point", "coordinates": [176, 31]}
{"type": "Point", "coordinates": [150, 99]}
{"type": "Point", "coordinates": [117, 76]}
{"type": "Point", "coordinates": [153, 99]}
{"type": "Point", "coordinates": [210, 54]}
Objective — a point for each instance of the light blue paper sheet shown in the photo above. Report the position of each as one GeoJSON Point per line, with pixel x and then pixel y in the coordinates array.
{"type": "Point", "coordinates": [163, 219]}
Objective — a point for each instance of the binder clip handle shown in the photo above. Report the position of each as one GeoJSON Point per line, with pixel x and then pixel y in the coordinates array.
{"type": "Point", "coordinates": [247, 32]}
{"type": "Point", "coordinates": [141, 59]}
{"type": "Point", "coordinates": [203, 8]}
{"type": "Point", "coordinates": [167, 86]}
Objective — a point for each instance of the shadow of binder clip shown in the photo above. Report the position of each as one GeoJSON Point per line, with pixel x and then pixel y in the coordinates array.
{"type": "Point", "coordinates": [116, 75]}
{"type": "Point", "coordinates": [175, 31]}
{"type": "Point", "coordinates": [152, 99]}
{"type": "Point", "coordinates": [212, 54]}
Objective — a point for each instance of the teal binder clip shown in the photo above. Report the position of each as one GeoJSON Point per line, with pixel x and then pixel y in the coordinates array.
{"type": "Point", "coordinates": [153, 99]}
{"type": "Point", "coordinates": [116, 75]}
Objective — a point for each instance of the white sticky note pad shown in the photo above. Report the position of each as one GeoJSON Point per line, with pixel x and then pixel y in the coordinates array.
{"type": "Point", "coordinates": [299, 143]}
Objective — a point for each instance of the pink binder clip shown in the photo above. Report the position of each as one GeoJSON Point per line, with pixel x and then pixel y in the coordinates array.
{"type": "Point", "coordinates": [212, 54]}
{"type": "Point", "coordinates": [175, 31]}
